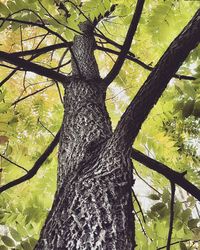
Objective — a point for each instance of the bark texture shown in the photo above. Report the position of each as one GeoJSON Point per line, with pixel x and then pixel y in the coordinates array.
{"type": "Point", "coordinates": [92, 208]}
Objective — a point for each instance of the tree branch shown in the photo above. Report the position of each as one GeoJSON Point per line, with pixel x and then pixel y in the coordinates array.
{"type": "Point", "coordinates": [148, 95]}
{"type": "Point", "coordinates": [33, 67]}
{"type": "Point", "coordinates": [127, 43]}
{"type": "Point", "coordinates": [41, 123]}
{"type": "Point", "coordinates": [35, 53]}
{"type": "Point", "coordinates": [139, 205]}
{"type": "Point", "coordinates": [42, 50]}
{"type": "Point", "coordinates": [35, 167]}
{"type": "Point", "coordinates": [8, 77]}
{"type": "Point", "coordinates": [171, 216]}
{"type": "Point", "coordinates": [4, 19]}
{"type": "Point", "coordinates": [130, 56]}
{"type": "Point", "coordinates": [170, 174]}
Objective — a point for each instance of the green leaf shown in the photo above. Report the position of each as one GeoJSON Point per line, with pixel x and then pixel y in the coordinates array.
{"type": "Point", "coordinates": [16, 5]}
{"type": "Point", "coordinates": [192, 201]}
{"type": "Point", "coordinates": [177, 208]}
{"type": "Point", "coordinates": [165, 196]}
{"type": "Point", "coordinates": [186, 214]}
{"type": "Point", "coordinates": [7, 241]}
{"type": "Point", "coordinates": [189, 90]}
{"type": "Point", "coordinates": [152, 214]}
{"type": "Point", "coordinates": [106, 4]}
{"type": "Point", "coordinates": [26, 245]}
{"type": "Point", "coordinates": [4, 10]}
{"type": "Point", "coordinates": [2, 94]}
{"type": "Point", "coordinates": [196, 111]}
{"type": "Point", "coordinates": [16, 236]}
{"type": "Point", "coordinates": [158, 206]}
{"type": "Point", "coordinates": [178, 225]}
{"type": "Point", "coordinates": [4, 107]}
{"type": "Point", "coordinates": [183, 246]}
{"type": "Point", "coordinates": [188, 108]}
{"type": "Point", "coordinates": [9, 150]}
{"type": "Point", "coordinates": [193, 223]}
{"type": "Point", "coordinates": [2, 247]}
{"type": "Point", "coordinates": [21, 230]}
{"type": "Point", "coordinates": [154, 197]}
{"type": "Point", "coordinates": [33, 242]}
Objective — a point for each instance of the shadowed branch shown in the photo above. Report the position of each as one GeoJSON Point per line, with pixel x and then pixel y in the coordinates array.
{"type": "Point", "coordinates": [170, 174]}
{"type": "Point", "coordinates": [127, 43]}
{"type": "Point", "coordinates": [157, 81]}
{"type": "Point", "coordinates": [33, 67]}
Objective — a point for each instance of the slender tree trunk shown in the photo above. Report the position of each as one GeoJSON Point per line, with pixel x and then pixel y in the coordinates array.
{"type": "Point", "coordinates": [92, 208]}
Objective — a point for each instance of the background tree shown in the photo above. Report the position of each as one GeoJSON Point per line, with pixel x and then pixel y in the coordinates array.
{"type": "Point", "coordinates": [47, 52]}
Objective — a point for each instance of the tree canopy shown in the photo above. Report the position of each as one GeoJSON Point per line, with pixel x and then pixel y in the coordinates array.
{"type": "Point", "coordinates": [35, 55]}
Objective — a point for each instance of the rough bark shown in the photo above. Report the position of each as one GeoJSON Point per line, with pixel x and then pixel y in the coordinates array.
{"type": "Point", "coordinates": [92, 208]}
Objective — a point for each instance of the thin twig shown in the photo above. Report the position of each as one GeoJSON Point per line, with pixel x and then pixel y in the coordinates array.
{"type": "Point", "coordinates": [31, 94]}
{"type": "Point", "coordinates": [141, 178]}
{"type": "Point", "coordinates": [35, 25]}
{"type": "Point", "coordinates": [58, 69]}
{"type": "Point", "coordinates": [140, 222]}
{"type": "Point", "coordinates": [177, 242]}
{"type": "Point", "coordinates": [171, 216]}
{"type": "Point", "coordinates": [41, 123]}
{"type": "Point", "coordinates": [12, 162]}
{"type": "Point", "coordinates": [141, 211]}
{"type": "Point", "coordinates": [34, 37]}
{"type": "Point", "coordinates": [51, 15]}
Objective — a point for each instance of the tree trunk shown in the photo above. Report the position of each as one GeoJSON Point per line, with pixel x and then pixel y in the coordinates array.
{"type": "Point", "coordinates": [92, 208]}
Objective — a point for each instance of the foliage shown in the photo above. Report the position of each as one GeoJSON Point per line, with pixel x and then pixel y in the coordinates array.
{"type": "Point", "coordinates": [25, 124]}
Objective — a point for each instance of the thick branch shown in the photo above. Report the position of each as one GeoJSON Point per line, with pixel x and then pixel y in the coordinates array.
{"type": "Point", "coordinates": [170, 174]}
{"type": "Point", "coordinates": [35, 53]}
{"type": "Point", "coordinates": [130, 56]}
{"type": "Point", "coordinates": [35, 167]}
{"type": "Point", "coordinates": [127, 43]}
{"type": "Point", "coordinates": [33, 67]}
{"type": "Point", "coordinates": [148, 95]}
